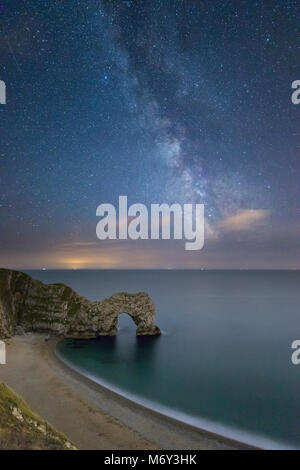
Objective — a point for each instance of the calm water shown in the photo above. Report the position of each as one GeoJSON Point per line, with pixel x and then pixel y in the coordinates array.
{"type": "Point", "coordinates": [224, 360]}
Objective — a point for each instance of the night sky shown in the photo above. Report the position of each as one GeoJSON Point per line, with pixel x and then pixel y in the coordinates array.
{"type": "Point", "coordinates": [160, 100]}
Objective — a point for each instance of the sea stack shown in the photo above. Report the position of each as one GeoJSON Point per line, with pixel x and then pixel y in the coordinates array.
{"type": "Point", "coordinates": [58, 309]}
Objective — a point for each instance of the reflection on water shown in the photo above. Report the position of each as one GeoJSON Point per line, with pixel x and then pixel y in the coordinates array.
{"type": "Point", "coordinates": [145, 348]}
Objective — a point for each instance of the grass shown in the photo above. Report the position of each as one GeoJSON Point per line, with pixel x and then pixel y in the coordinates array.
{"type": "Point", "coordinates": [22, 429]}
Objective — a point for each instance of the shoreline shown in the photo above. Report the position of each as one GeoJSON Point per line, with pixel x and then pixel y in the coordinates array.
{"type": "Point", "coordinates": [150, 407]}
{"type": "Point", "coordinates": [90, 414]}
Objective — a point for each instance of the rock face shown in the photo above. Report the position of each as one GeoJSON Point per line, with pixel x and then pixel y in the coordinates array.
{"type": "Point", "coordinates": [56, 308]}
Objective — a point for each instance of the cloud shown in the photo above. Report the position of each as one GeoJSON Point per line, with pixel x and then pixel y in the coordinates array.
{"type": "Point", "coordinates": [244, 220]}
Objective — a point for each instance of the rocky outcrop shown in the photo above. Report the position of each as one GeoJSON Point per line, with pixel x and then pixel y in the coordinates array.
{"type": "Point", "coordinates": [58, 309]}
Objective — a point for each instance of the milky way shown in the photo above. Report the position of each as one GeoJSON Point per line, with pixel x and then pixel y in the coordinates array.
{"type": "Point", "coordinates": [162, 101]}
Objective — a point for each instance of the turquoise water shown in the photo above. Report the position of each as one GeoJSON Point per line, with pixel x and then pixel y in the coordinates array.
{"type": "Point", "coordinates": [224, 360]}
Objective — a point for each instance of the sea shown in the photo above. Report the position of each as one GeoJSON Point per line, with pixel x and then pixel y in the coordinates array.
{"type": "Point", "coordinates": [223, 361]}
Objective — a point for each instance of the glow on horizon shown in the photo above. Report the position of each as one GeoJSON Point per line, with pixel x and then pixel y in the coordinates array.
{"type": "Point", "coordinates": [144, 256]}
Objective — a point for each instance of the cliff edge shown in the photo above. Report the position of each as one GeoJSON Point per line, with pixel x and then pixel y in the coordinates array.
{"type": "Point", "coordinates": [58, 309]}
{"type": "Point", "coordinates": [22, 429]}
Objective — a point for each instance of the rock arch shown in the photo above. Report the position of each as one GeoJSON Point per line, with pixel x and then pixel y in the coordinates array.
{"type": "Point", "coordinates": [138, 306]}
{"type": "Point", "coordinates": [58, 309]}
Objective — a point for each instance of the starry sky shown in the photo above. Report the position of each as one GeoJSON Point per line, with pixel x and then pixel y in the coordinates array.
{"type": "Point", "coordinates": [183, 101]}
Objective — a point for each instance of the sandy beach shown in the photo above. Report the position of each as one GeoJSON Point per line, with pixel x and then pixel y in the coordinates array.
{"type": "Point", "coordinates": [89, 414]}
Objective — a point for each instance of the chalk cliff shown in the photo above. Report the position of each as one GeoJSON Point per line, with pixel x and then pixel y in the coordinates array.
{"type": "Point", "coordinates": [58, 309]}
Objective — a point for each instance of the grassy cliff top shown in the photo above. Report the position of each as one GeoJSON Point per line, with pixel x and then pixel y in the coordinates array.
{"type": "Point", "coordinates": [22, 429]}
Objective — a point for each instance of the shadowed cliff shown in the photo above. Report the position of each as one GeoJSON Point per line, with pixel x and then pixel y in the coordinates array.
{"type": "Point", "coordinates": [58, 309]}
